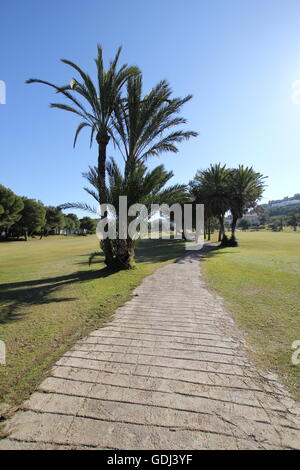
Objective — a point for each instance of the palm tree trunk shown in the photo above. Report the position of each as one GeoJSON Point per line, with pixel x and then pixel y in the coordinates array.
{"type": "Point", "coordinates": [103, 139]}
{"type": "Point", "coordinates": [119, 254]}
{"type": "Point", "coordinates": [233, 225]}
{"type": "Point", "coordinates": [222, 230]}
{"type": "Point", "coordinates": [125, 254]}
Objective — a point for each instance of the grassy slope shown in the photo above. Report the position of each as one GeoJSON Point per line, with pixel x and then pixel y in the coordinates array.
{"type": "Point", "coordinates": [49, 297]}
{"type": "Point", "coordinates": [261, 282]}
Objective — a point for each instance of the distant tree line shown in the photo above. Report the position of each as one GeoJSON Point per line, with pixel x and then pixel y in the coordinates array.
{"type": "Point", "coordinates": [274, 223]}
{"type": "Point", "coordinates": [23, 217]}
{"type": "Point", "coordinates": [280, 210]}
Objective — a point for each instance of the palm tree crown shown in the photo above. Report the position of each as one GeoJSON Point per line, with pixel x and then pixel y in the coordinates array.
{"type": "Point", "coordinates": [145, 123]}
{"type": "Point", "coordinates": [246, 188]}
{"type": "Point", "coordinates": [222, 189]}
{"type": "Point", "coordinates": [99, 100]}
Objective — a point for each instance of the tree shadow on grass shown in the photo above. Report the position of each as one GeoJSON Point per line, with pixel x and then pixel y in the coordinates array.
{"type": "Point", "coordinates": [14, 295]}
{"type": "Point", "coordinates": [212, 249]}
{"type": "Point", "coordinates": [159, 250]}
{"type": "Point", "coordinates": [149, 251]}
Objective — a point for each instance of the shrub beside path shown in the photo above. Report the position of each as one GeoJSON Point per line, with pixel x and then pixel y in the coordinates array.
{"type": "Point", "coordinates": [169, 371]}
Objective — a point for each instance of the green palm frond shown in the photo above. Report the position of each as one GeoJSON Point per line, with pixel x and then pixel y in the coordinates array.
{"type": "Point", "coordinates": [78, 130]}
{"type": "Point", "coordinates": [65, 107]}
{"type": "Point", "coordinates": [144, 123]}
{"type": "Point", "coordinates": [142, 186]}
{"type": "Point", "coordinates": [211, 187]}
{"type": "Point", "coordinates": [100, 100]}
{"type": "Point", "coordinates": [93, 193]}
{"type": "Point", "coordinates": [79, 205]}
{"type": "Point", "coordinates": [62, 90]}
{"type": "Point", "coordinates": [247, 187]}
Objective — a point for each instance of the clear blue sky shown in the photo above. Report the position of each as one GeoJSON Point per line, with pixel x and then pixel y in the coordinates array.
{"type": "Point", "coordinates": [238, 58]}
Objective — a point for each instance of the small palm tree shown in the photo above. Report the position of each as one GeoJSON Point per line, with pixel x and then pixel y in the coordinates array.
{"type": "Point", "coordinates": [246, 188]}
{"type": "Point", "coordinates": [97, 108]}
{"type": "Point", "coordinates": [210, 187]}
{"type": "Point", "coordinates": [141, 186]}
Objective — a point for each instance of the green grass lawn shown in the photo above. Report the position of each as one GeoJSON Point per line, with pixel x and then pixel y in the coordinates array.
{"type": "Point", "coordinates": [49, 297]}
{"type": "Point", "coordinates": [260, 281]}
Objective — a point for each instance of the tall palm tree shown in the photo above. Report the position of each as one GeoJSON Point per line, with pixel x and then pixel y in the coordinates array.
{"type": "Point", "coordinates": [140, 126]}
{"type": "Point", "coordinates": [148, 126]}
{"type": "Point", "coordinates": [210, 188]}
{"type": "Point", "coordinates": [97, 108]}
{"type": "Point", "coordinates": [246, 188]}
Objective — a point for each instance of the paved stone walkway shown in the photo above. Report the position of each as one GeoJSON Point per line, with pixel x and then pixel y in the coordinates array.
{"type": "Point", "coordinates": [168, 372]}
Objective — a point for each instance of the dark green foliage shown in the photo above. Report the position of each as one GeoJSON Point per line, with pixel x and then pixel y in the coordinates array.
{"type": "Point", "coordinates": [21, 216]}
{"type": "Point", "coordinates": [276, 224]}
{"type": "Point", "coordinates": [11, 206]}
{"type": "Point", "coordinates": [88, 224]}
{"type": "Point", "coordinates": [72, 223]}
{"type": "Point", "coordinates": [244, 224]}
{"type": "Point", "coordinates": [55, 220]}
{"type": "Point", "coordinates": [292, 221]}
{"type": "Point", "coordinates": [33, 217]}
{"type": "Point", "coordinates": [263, 217]}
